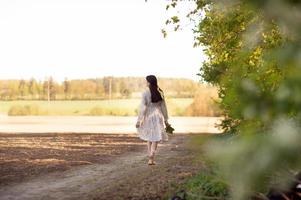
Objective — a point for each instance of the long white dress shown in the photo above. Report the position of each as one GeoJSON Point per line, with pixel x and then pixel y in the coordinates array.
{"type": "Point", "coordinates": [151, 118]}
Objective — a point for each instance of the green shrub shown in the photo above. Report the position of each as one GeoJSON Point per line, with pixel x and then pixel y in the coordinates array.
{"type": "Point", "coordinates": [204, 103]}
{"type": "Point", "coordinates": [253, 53]}
{"type": "Point", "coordinates": [18, 110]}
{"type": "Point", "coordinates": [206, 185]}
{"type": "Point", "coordinates": [97, 111]}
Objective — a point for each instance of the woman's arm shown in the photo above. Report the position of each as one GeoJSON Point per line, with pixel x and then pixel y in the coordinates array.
{"type": "Point", "coordinates": [142, 110]}
{"type": "Point", "coordinates": [164, 110]}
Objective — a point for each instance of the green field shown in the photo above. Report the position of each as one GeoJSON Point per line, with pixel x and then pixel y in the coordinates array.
{"type": "Point", "coordinates": [123, 107]}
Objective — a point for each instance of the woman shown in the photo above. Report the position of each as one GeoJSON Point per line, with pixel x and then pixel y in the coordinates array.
{"type": "Point", "coordinates": [152, 116]}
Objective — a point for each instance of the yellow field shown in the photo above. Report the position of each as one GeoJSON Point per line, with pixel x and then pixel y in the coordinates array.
{"type": "Point", "coordinates": [123, 107]}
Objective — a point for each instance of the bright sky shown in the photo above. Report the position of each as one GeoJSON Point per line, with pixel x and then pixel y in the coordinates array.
{"type": "Point", "coordinates": [92, 38]}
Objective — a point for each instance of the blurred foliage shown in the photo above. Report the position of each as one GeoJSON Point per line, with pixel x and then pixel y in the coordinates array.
{"type": "Point", "coordinates": [253, 51]}
{"type": "Point", "coordinates": [254, 163]}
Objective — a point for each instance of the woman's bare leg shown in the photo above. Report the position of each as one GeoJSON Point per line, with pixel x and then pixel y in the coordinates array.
{"type": "Point", "coordinates": [149, 150]}
{"type": "Point", "coordinates": [156, 146]}
{"type": "Point", "coordinates": [153, 149]}
{"type": "Point", "coordinates": [149, 145]}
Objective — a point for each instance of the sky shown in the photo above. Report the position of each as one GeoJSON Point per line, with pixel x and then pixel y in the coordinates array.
{"type": "Point", "coordinates": [93, 38]}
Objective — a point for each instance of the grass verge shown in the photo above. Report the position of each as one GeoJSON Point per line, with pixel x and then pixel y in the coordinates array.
{"type": "Point", "coordinates": [207, 184]}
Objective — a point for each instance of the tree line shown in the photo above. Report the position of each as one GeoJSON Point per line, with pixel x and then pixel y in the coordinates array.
{"type": "Point", "coordinates": [90, 89]}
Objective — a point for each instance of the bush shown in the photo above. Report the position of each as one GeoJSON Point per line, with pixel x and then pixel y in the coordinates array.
{"type": "Point", "coordinates": [208, 182]}
{"type": "Point", "coordinates": [19, 110]}
{"type": "Point", "coordinates": [97, 111]}
{"type": "Point", "coordinates": [204, 103]}
{"type": "Point", "coordinates": [100, 111]}
{"type": "Point", "coordinates": [206, 185]}
{"type": "Point", "coordinates": [253, 53]}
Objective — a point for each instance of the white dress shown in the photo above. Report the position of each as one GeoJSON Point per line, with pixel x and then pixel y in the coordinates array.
{"type": "Point", "coordinates": [151, 118]}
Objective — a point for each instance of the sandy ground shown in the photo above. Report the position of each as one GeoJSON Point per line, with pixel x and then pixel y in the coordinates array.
{"type": "Point", "coordinates": [117, 172]}
{"type": "Point", "coordinates": [104, 124]}
{"type": "Point", "coordinates": [27, 155]}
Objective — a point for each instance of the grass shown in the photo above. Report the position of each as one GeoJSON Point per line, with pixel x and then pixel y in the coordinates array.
{"type": "Point", "coordinates": [203, 186]}
{"type": "Point", "coordinates": [123, 107]}
{"type": "Point", "coordinates": [207, 184]}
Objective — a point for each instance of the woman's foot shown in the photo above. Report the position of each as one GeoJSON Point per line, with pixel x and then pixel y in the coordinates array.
{"type": "Point", "coordinates": [151, 160]}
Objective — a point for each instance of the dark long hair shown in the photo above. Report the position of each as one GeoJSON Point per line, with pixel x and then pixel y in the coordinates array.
{"type": "Point", "coordinates": [156, 92]}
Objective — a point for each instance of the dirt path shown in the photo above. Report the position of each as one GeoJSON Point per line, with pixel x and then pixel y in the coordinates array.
{"type": "Point", "coordinates": [127, 177]}
{"type": "Point", "coordinates": [98, 124]}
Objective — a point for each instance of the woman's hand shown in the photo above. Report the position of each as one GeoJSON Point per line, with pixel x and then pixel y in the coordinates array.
{"type": "Point", "coordinates": [138, 124]}
{"type": "Point", "coordinates": [166, 123]}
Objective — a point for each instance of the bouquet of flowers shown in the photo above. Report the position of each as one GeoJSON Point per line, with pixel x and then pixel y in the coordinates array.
{"type": "Point", "coordinates": [168, 128]}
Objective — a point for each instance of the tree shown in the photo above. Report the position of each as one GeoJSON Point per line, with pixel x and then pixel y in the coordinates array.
{"type": "Point", "coordinates": [4, 90]}
{"type": "Point", "coordinates": [124, 90]}
{"type": "Point", "coordinates": [252, 50]}
{"type": "Point", "coordinates": [49, 89]}
{"type": "Point", "coordinates": [66, 87]}
{"type": "Point", "coordinates": [52, 88]}
{"type": "Point", "coordinates": [107, 84]}
{"type": "Point", "coordinates": [33, 88]}
{"type": "Point", "coordinates": [99, 90]}
{"type": "Point", "coordinates": [22, 88]}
